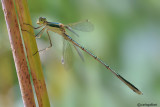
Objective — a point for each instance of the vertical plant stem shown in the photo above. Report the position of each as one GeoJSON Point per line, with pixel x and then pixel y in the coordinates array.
{"type": "Point", "coordinates": [18, 53]}
{"type": "Point", "coordinates": [31, 48]}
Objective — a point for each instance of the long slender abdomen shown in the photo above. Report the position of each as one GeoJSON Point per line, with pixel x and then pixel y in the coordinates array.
{"type": "Point", "coordinates": [131, 86]}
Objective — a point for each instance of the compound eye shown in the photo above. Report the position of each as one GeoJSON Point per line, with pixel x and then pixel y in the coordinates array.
{"type": "Point", "coordinates": [40, 19]}
{"type": "Point", "coordinates": [44, 18]}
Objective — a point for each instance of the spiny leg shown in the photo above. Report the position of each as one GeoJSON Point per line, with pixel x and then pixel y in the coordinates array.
{"type": "Point", "coordinates": [37, 35]}
{"type": "Point", "coordinates": [47, 47]}
{"type": "Point", "coordinates": [32, 26]}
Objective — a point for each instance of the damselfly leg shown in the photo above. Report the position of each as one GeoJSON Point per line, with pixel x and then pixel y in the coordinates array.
{"type": "Point", "coordinates": [48, 46]}
{"type": "Point", "coordinates": [38, 35]}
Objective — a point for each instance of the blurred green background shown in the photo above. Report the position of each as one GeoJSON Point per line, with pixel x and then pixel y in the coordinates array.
{"type": "Point", "coordinates": [126, 36]}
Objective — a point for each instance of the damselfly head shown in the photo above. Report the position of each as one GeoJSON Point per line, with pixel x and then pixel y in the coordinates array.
{"type": "Point", "coordinates": [41, 20]}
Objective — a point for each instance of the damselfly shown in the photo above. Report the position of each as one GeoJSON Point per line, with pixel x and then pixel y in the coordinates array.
{"type": "Point", "coordinates": [60, 29]}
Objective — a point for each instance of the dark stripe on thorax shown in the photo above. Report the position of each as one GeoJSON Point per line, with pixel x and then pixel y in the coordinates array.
{"type": "Point", "coordinates": [54, 24]}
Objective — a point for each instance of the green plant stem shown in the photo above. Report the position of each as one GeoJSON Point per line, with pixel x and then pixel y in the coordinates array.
{"type": "Point", "coordinates": [31, 48]}
{"type": "Point", "coordinates": [18, 53]}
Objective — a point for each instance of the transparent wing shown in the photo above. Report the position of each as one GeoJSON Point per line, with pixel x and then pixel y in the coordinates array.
{"type": "Point", "coordinates": [63, 51]}
{"type": "Point", "coordinates": [67, 53]}
{"type": "Point", "coordinates": [79, 52]}
{"type": "Point", "coordinates": [70, 29]}
{"type": "Point", "coordinates": [85, 26]}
